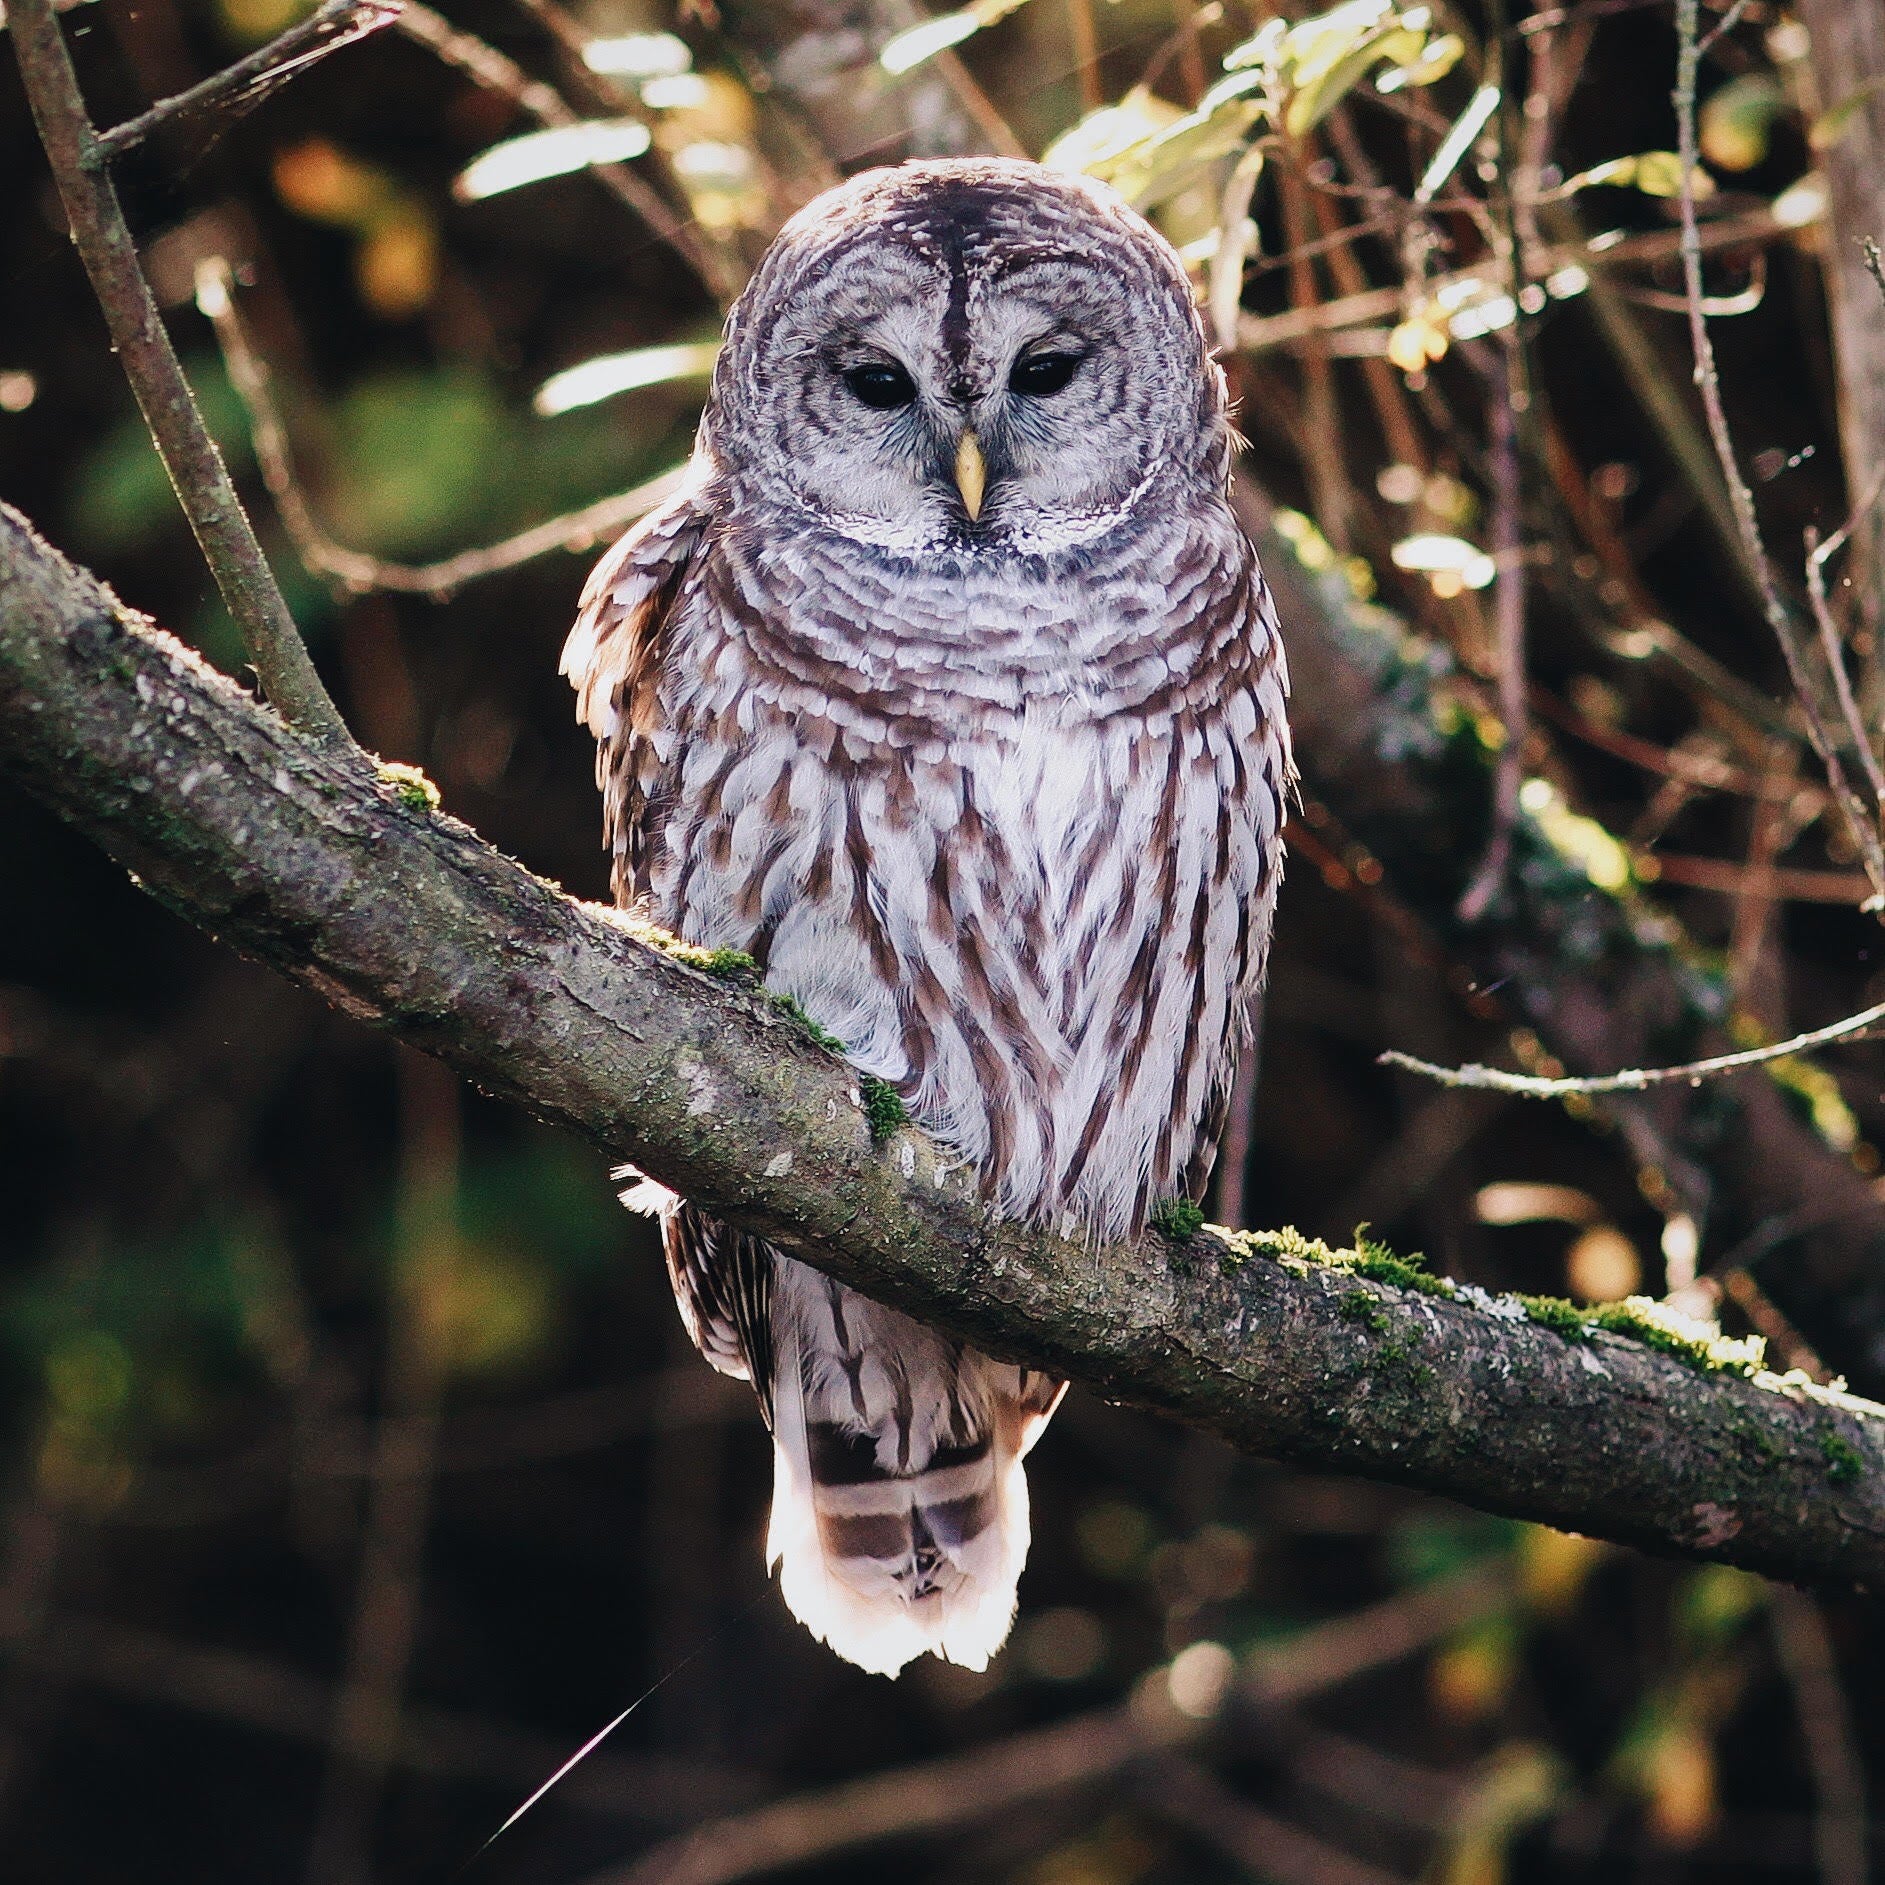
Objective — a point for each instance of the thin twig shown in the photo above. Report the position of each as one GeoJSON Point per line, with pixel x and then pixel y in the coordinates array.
{"type": "Point", "coordinates": [197, 472]}
{"type": "Point", "coordinates": [1806, 1654]}
{"type": "Point", "coordinates": [338, 23]}
{"type": "Point", "coordinates": [1864, 830]}
{"type": "Point", "coordinates": [1817, 554]}
{"type": "Point", "coordinates": [1259, 332]}
{"type": "Point", "coordinates": [1189, 1796]}
{"type": "Point", "coordinates": [1631, 1079]}
{"type": "Point", "coordinates": [371, 1698]}
{"type": "Point", "coordinates": [356, 570]}
{"type": "Point", "coordinates": [1790, 885]}
{"type": "Point", "coordinates": [1509, 622]}
{"type": "Point", "coordinates": [1509, 398]}
{"type": "Point", "coordinates": [1086, 53]}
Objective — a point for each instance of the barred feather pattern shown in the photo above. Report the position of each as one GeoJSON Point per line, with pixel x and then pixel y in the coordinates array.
{"type": "Point", "coordinates": [999, 806]}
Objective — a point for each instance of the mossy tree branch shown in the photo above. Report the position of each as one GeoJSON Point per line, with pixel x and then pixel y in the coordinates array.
{"type": "Point", "coordinates": [359, 890]}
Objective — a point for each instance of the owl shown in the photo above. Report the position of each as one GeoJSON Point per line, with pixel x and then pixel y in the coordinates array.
{"type": "Point", "coordinates": [949, 689]}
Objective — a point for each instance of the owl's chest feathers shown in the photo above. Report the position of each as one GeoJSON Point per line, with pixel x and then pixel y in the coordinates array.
{"type": "Point", "coordinates": [1038, 913]}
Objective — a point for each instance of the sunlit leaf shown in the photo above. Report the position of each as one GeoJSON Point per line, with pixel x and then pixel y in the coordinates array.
{"type": "Point", "coordinates": [1802, 204]}
{"type": "Point", "coordinates": [542, 154]}
{"type": "Point", "coordinates": [1517, 1202]}
{"type": "Point", "coordinates": [1554, 1567]}
{"type": "Point", "coordinates": [1435, 60]}
{"type": "Point", "coordinates": [609, 374]}
{"type": "Point", "coordinates": [1173, 158]}
{"type": "Point", "coordinates": [320, 181]}
{"type": "Point", "coordinates": [676, 91]}
{"type": "Point", "coordinates": [1457, 142]}
{"type": "Point", "coordinates": [638, 56]}
{"type": "Point", "coordinates": [1678, 1772]}
{"type": "Point", "coordinates": [1323, 58]}
{"type": "Point", "coordinates": [908, 50]}
{"type": "Point", "coordinates": [1655, 173]}
{"type": "Point", "coordinates": [1104, 137]}
{"type": "Point", "coordinates": [1418, 341]}
{"type": "Point", "coordinates": [1737, 121]}
{"type": "Point", "coordinates": [1448, 555]}
{"type": "Point", "coordinates": [1659, 173]}
{"type": "Point", "coordinates": [1259, 50]}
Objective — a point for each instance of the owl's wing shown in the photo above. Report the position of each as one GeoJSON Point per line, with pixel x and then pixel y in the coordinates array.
{"type": "Point", "coordinates": [723, 1282]}
{"type": "Point", "coordinates": [614, 656]}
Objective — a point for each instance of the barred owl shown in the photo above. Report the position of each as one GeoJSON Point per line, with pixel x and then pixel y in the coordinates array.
{"type": "Point", "coordinates": [949, 688]}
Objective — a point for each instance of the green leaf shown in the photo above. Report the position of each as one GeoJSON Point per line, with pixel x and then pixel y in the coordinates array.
{"type": "Point", "coordinates": [1737, 121]}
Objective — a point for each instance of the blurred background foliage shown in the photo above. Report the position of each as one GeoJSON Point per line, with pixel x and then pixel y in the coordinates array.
{"type": "Point", "coordinates": [357, 1468]}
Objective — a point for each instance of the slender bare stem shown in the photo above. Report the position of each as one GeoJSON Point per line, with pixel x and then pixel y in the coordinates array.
{"type": "Point", "coordinates": [197, 472]}
{"type": "Point", "coordinates": [1632, 1079]}
{"type": "Point", "coordinates": [1864, 830]}
{"type": "Point", "coordinates": [355, 569]}
{"type": "Point", "coordinates": [367, 1709]}
{"type": "Point", "coordinates": [1510, 397]}
{"type": "Point", "coordinates": [1509, 622]}
{"type": "Point", "coordinates": [1086, 53]}
{"type": "Point", "coordinates": [337, 23]}
{"type": "Point", "coordinates": [1807, 1656]}
{"type": "Point", "coordinates": [1833, 647]}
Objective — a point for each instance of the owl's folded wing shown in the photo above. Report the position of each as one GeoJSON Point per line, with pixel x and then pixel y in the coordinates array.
{"type": "Point", "coordinates": [613, 659]}
{"type": "Point", "coordinates": [615, 646]}
{"type": "Point", "coordinates": [722, 1280]}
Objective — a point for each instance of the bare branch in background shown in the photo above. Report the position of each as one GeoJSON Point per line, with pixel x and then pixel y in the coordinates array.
{"type": "Point", "coordinates": [1863, 829]}
{"type": "Point", "coordinates": [1805, 1646]}
{"type": "Point", "coordinates": [1831, 645]}
{"type": "Point", "coordinates": [355, 569]}
{"type": "Point", "coordinates": [1635, 1079]}
{"type": "Point", "coordinates": [197, 472]}
{"type": "Point", "coordinates": [1506, 389]}
{"type": "Point", "coordinates": [365, 1727]}
{"type": "Point", "coordinates": [336, 23]}
{"type": "Point", "coordinates": [1086, 1750]}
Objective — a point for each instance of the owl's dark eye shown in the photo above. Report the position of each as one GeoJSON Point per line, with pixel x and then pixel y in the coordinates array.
{"type": "Point", "coordinates": [882, 386]}
{"type": "Point", "coordinates": [1036, 375]}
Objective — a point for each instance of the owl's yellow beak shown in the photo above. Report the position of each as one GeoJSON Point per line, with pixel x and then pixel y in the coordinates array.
{"type": "Point", "coordinates": [971, 475]}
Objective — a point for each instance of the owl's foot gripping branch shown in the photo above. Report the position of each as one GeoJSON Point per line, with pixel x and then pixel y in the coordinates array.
{"type": "Point", "coordinates": [1626, 1426]}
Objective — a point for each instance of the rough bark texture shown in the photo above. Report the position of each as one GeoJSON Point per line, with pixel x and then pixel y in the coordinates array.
{"type": "Point", "coordinates": [363, 894]}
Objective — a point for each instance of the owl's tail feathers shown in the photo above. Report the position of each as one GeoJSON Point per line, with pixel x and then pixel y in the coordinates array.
{"type": "Point", "coordinates": [884, 1561]}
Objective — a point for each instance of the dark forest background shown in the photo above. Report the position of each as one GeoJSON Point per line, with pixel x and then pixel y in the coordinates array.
{"type": "Point", "coordinates": [356, 1467]}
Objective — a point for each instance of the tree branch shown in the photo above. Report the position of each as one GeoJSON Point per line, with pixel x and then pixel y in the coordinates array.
{"type": "Point", "coordinates": [1634, 1079]}
{"type": "Point", "coordinates": [356, 570]}
{"type": "Point", "coordinates": [336, 23]}
{"type": "Point", "coordinates": [358, 891]}
{"type": "Point", "coordinates": [196, 467]}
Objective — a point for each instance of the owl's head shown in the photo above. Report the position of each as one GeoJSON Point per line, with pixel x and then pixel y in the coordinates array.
{"type": "Point", "coordinates": [977, 353]}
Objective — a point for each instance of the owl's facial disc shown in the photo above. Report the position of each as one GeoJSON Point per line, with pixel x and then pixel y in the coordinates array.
{"type": "Point", "coordinates": [1001, 366]}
